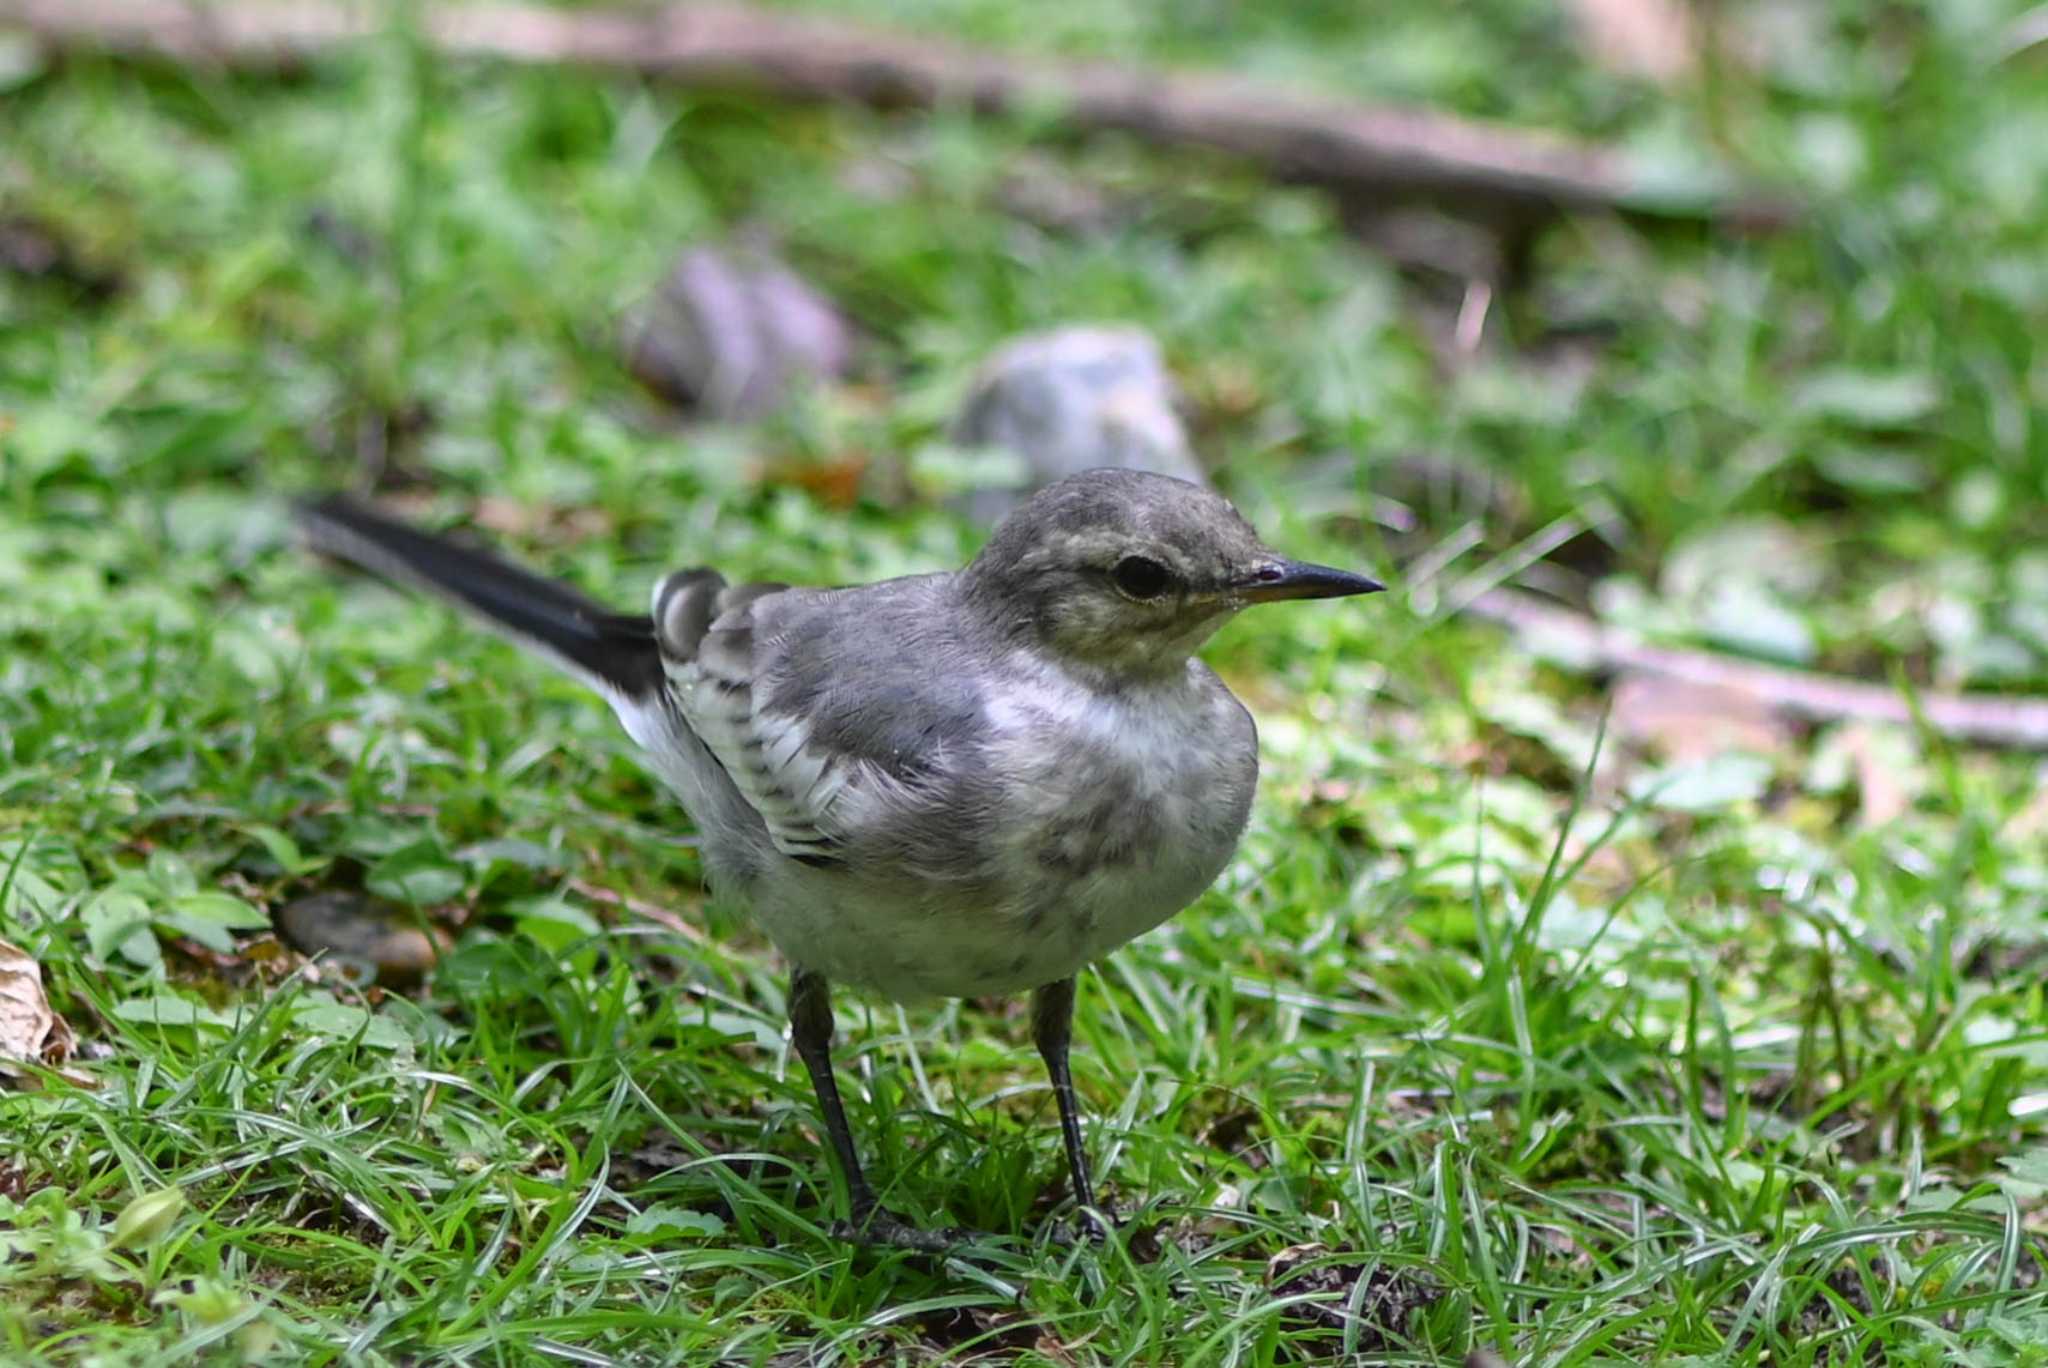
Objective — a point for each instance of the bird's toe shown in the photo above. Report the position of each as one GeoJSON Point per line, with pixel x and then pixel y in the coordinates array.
{"type": "Point", "coordinates": [879, 1227]}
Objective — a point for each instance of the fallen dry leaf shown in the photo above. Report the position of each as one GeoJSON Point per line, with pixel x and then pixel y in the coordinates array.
{"type": "Point", "coordinates": [1687, 722]}
{"type": "Point", "coordinates": [1048, 1347]}
{"type": "Point", "coordinates": [835, 483]}
{"type": "Point", "coordinates": [1880, 779]}
{"type": "Point", "coordinates": [29, 1030]}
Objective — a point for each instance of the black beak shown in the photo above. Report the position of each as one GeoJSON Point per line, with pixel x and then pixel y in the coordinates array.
{"type": "Point", "coordinates": [1300, 580]}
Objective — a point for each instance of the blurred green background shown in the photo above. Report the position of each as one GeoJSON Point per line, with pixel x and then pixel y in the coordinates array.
{"type": "Point", "coordinates": [1727, 1046]}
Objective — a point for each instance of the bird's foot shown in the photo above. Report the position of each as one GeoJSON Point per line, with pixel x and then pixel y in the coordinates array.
{"type": "Point", "coordinates": [1102, 1227]}
{"type": "Point", "coordinates": [1087, 1226]}
{"type": "Point", "coordinates": [877, 1226]}
{"type": "Point", "coordinates": [1096, 1224]}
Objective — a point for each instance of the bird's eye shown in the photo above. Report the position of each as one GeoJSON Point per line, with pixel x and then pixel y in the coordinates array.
{"type": "Point", "coordinates": [1141, 577]}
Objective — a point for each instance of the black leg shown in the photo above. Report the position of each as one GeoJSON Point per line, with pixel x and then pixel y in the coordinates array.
{"type": "Point", "coordinates": [810, 1031]}
{"type": "Point", "coordinates": [1052, 1027]}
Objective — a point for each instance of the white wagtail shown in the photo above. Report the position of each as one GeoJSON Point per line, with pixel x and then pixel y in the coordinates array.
{"type": "Point", "coordinates": [948, 785]}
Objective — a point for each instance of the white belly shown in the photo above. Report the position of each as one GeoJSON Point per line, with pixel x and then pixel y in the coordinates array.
{"type": "Point", "coordinates": [1117, 816]}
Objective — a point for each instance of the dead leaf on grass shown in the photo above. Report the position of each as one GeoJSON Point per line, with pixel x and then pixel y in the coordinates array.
{"type": "Point", "coordinates": [977, 1329]}
{"type": "Point", "coordinates": [1692, 722]}
{"type": "Point", "coordinates": [26, 1020]}
{"type": "Point", "coordinates": [29, 1031]}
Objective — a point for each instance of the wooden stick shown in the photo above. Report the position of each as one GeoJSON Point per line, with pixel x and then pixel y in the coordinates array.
{"type": "Point", "coordinates": [659, 915]}
{"type": "Point", "coordinates": [1354, 147]}
{"type": "Point", "coordinates": [1995, 719]}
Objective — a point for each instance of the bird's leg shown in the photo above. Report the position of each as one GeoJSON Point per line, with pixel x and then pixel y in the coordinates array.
{"type": "Point", "coordinates": [1052, 1027]}
{"type": "Point", "coordinates": [810, 1030]}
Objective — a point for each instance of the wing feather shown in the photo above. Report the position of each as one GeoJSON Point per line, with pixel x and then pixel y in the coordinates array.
{"type": "Point", "coordinates": [706, 632]}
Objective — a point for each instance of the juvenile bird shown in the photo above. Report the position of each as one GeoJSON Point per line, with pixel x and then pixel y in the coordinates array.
{"type": "Point", "coordinates": [944, 785]}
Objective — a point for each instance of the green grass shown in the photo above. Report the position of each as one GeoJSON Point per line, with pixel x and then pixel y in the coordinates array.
{"type": "Point", "coordinates": [1479, 1043]}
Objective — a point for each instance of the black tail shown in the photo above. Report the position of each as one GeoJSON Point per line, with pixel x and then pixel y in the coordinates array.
{"type": "Point", "coordinates": [614, 652]}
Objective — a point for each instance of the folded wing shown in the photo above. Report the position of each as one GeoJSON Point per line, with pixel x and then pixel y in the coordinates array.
{"type": "Point", "coordinates": [832, 711]}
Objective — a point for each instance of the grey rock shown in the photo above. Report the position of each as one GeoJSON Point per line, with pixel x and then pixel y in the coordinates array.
{"type": "Point", "coordinates": [1073, 399]}
{"type": "Point", "coordinates": [730, 332]}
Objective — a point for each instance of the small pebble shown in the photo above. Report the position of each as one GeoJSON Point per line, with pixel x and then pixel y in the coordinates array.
{"type": "Point", "coordinates": [369, 940]}
{"type": "Point", "coordinates": [1073, 399]}
{"type": "Point", "coordinates": [730, 333]}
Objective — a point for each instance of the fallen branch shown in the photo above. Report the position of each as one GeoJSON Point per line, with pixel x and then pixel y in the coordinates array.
{"type": "Point", "coordinates": [1346, 146]}
{"type": "Point", "coordinates": [1995, 719]}
{"type": "Point", "coordinates": [661, 916]}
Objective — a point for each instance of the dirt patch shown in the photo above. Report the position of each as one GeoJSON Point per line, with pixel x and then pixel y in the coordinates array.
{"type": "Point", "coordinates": [1350, 1287]}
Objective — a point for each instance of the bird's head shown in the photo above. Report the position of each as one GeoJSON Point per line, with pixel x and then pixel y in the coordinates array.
{"type": "Point", "coordinates": [1126, 574]}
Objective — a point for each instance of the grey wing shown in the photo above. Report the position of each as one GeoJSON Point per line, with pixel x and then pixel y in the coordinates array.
{"type": "Point", "coordinates": [705, 631]}
{"type": "Point", "coordinates": [824, 706]}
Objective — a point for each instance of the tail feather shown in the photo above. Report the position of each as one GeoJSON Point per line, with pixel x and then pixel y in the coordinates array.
{"type": "Point", "coordinates": [614, 652]}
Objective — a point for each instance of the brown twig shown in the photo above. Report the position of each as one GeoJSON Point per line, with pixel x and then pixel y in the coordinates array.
{"type": "Point", "coordinates": [1993, 719]}
{"type": "Point", "coordinates": [659, 915]}
{"type": "Point", "coordinates": [1354, 147]}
